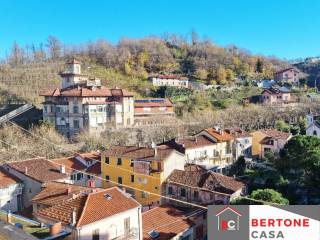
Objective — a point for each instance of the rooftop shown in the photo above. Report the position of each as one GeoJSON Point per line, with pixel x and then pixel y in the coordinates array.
{"type": "Point", "coordinates": [90, 207]}
{"type": "Point", "coordinates": [55, 193]}
{"type": "Point", "coordinates": [171, 76]}
{"type": "Point", "coordinates": [219, 135]}
{"type": "Point", "coordinates": [196, 176]}
{"type": "Point", "coordinates": [237, 132]}
{"type": "Point", "coordinates": [188, 142]}
{"type": "Point", "coordinates": [139, 153]}
{"type": "Point", "coordinates": [70, 162]}
{"type": "Point", "coordinates": [153, 102]}
{"type": "Point", "coordinates": [7, 179]}
{"type": "Point", "coordinates": [94, 169]}
{"type": "Point", "coordinates": [166, 220]}
{"type": "Point", "coordinates": [273, 133]}
{"type": "Point", "coordinates": [38, 169]}
{"type": "Point", "coordinates": [87, 91]}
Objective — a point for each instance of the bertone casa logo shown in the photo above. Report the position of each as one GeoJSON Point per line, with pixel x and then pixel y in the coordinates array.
{"type": "Point", "coordinates": [264, 222]}
{"type": "Point", "coordinates": [228, 219]}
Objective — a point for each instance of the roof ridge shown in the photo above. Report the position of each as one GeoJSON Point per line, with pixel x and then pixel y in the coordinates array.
{"type": "Point", "coordinates": [83, 210]}
{"type": "Point", "coordinates": [28, 159]}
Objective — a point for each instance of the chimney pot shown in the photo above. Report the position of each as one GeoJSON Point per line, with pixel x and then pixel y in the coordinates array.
{"type": "Point", "coordinates": [26, 170]}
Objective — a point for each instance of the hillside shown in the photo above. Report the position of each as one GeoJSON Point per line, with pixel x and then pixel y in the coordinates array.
{"type": "Point", "coordinates": [312, 71]}
{"type": "Point", "coordinates": [127, 64]}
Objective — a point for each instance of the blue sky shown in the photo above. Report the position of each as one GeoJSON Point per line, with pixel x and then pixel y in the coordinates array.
{"type": "Point", "coordinates": [285, 28]}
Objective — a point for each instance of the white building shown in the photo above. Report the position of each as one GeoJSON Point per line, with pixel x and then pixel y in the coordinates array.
{"type": "Point", "coordinates": [82, 103]}
{"type": "Point", "coordinates": [101, 214]}
{"type": "Point", "coordinates": [10, 192]}
{"type": "Point", "coordinates": [313, 125]}
{"type": "Point", "coordinates": [33, 173]}
{"type": "Point", "coordinates": [210, 148]}
{"type": "Point", "coordinates": [242, 142]}
{"type": "Point", "coordinates": [170, 80]}
{"type": "Point", "coordinates": [78, 165]}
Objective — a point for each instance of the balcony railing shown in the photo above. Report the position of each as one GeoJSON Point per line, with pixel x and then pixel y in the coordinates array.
{"type": "Point", "coordinates": [131, 235]}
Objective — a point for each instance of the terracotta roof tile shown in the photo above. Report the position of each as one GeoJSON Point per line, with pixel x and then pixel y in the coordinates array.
{"type": "Point", "coordinates": [56, 193]}
{"type": "Point", "coordinates": [159, 219]}
{"type": "Point", "coordinates": [83, 91]}
{"type": "Point", "coordinates": [221, 136]}
{"type": "Point", "coordinates": [38, 169]}
{"type": "Point", "coordinates": [139, 153]}
{"type": "Point", "coordinates": [95, 169]}
{"type": "Point", "coordinates": [7, 179]}
{"type": "Point", "coordinates": [90, 207]}
{"type": "Point", "coordinates": [273, 133]}
{"type": "Point", "coordinates": [206, 179]}
{"type": "Point", "coordinates": [237, 132]}
{"type": "Point", "coordinates": [153, 102]}
{"type": "Point", "coordinates": [70, 162]}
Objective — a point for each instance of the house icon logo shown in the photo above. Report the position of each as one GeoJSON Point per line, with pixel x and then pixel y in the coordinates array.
{"type": "Point", "coordinates": [228, 219]}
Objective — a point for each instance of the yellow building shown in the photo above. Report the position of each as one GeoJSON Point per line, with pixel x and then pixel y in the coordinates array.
{"type": "Point", "coordinates": [143, 168]}
{"type": "Point", "coordinates": [257, 137]}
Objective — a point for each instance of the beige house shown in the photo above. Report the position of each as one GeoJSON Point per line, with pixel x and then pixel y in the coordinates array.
{"type": "Point", "coordinates": [275, 95]}
{"type": "Point", "coordinates": [99, 214]}
{"type": "Point", "coordinates": [288, 75]}
{"type": "Point", "coordinates": [82, 103]}
{"type": "Point", "coordinates": [222, 152]}
{"type": "Point", "coordinates": [197, 185]}
{"type": "Point", "coordinates": [269, 140]}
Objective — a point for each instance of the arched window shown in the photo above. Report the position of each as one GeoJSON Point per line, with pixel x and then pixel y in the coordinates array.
{"type": "Point", "coordinates": [315, 133]}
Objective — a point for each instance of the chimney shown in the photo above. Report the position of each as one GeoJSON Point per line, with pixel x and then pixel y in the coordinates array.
{"type": "Point", "coordinates": [68, 190]}
{"type": "Point", "coordinates": [55, 229]}
{"type": "Point", "coordinates": [155, 151]}
{"type": "Point", "coordinates": [74, 217]}
{"type": "Point", "coordinates": [154, 146]}
{"type": "Point", "coordinates": [62, 169]}
{"type": "Point", "coordinates": [26, 170]}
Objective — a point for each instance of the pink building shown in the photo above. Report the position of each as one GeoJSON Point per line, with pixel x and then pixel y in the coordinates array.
{"type": "Point", "coordinates": [289, 75]}
{"type": "Point", "coordinates": [275, 96]}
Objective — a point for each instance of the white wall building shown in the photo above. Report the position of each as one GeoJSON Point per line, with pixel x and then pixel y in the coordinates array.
{"type": "Point", "coordinates": [105, 214]}
{"type": "Point", "coordinates": [83, 103]}
{"type": "Point", "coordinates": [33, 173]}
{"type": "Point", "coordinates": [10, 192]}
{"type": "Point", "coordinates": [170, 80]}
{"type": "Point", "coordinates": [313, 125]}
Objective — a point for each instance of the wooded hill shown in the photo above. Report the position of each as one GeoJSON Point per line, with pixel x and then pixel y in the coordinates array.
{"type": "Point", "coordinates": [33, 68]}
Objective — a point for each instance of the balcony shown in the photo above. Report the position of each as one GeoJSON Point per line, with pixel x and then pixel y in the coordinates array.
{"type": "Point", "coordinates": [131, 235]}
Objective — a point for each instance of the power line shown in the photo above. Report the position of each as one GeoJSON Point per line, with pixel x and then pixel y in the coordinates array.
{"type": "Point", "coordinates": [113, 182]}
{"type": "Point", "coordinates": [141, 174]}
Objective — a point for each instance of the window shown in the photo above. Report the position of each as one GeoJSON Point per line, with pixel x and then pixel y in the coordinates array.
{"type": "Point", "coordinates": [132, 178]}
{"type": "Point", "coordinates": [119, 162]}
{"type": "Point", "coordinates": [95, 234]}
{"type": "Point", "coordinates": [131, 163]}
{"type": "Point", "coordinates": [45, 109]}
{"type": "Point", "coordinates": [315, 133]}
{"type": "Point", "coordinates": [183, 192]}
{"type": "Point", "coordinates": [170, 190]}
{"type": "Point", "coordinates": [100, 109]}
{"type": "Point", "coordinates": [196, 195]}
{"type": "Point", "coordinates": [76, 124]}
{"type": "Point", "coordinates": [75, 109]}
{"type": "Point", "coordinates": [126, 224]}
{"type": "Point", "coordinates": [107, 178]}
{"type": "Point", "coordinates": [107, 161]}
{"type": "Point", "coordinates": [79, 176]}
{"type": "Point", "coordinates": [144, 194]}
{"type": "Point", "coordinates": [120, 180]}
